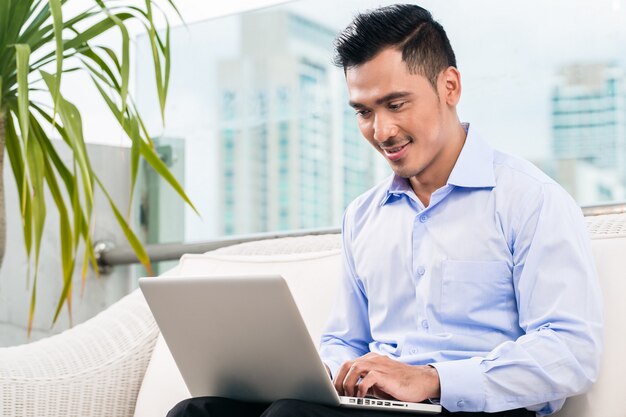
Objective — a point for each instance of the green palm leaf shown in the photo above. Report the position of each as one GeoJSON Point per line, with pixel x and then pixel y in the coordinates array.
{"type": "Point", "coordinates": [57, 19]}
{"type": "Point", "coordinates": [23, 53]}
{"type": "Point", "coordinates": [38, 45]}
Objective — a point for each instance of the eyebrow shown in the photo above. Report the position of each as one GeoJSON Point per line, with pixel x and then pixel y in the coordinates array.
{"type": "Point", "coordinates": [391, 96]}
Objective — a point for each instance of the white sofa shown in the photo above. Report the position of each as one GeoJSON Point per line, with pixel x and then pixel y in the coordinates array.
{"type": "Point", "coordinates": [116, 364]}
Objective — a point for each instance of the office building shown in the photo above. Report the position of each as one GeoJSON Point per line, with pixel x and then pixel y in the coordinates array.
{"type": "Point", "coordinates": [588, 125]}
{"type": "Point", "coordinates": [291, 154]}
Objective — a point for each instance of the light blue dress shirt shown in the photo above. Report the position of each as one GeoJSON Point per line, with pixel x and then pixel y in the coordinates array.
{"type": "Point", "coordinates": [493, 284]}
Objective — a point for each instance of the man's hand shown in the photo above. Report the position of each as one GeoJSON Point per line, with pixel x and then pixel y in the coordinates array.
{"type": "Point", "coordinates": [382, 377]}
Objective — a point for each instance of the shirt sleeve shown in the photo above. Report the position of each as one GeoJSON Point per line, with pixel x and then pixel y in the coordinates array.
{"type": "Point", "coordinates": [559, 306]}
{"type": "Point", "coordinates": [347, 334]}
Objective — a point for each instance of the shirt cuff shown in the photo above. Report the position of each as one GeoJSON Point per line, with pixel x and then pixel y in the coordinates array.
{"type": "Point", "coordinates": [461, 385]}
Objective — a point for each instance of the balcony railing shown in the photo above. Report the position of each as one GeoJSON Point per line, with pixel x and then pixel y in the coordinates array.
{"type": "Point", "coordinates": [108, 255]}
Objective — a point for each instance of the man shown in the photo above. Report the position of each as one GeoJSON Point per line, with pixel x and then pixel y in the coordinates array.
{"type": "Point", "coordinates": [468, 277]}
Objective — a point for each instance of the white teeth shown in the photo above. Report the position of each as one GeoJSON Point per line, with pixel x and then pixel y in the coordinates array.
{"type": "Point", "coordinates": [394, 150]}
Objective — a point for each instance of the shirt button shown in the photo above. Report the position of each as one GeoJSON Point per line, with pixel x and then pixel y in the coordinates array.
{"type": "Point", "coordinates": [423, 218]}
{"type": "Point", "coordinates": [460, 404]}
{"type": "Point", "coordinates": [413, 351]}
{"type": "Point", "coordinates": [425, 324]}
{"type": "Point", "coordinates": [421, 270]}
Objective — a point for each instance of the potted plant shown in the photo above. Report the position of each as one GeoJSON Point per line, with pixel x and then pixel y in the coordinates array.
{"type": "Point", "coordinates": [38, 45]}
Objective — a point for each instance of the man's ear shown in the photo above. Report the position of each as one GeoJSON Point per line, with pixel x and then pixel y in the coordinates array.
{"type": "Point", "coordinates": [450, 86]}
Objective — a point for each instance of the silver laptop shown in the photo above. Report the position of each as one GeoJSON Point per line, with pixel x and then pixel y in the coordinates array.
{"type": "Point", "coordinates": [242, 337]}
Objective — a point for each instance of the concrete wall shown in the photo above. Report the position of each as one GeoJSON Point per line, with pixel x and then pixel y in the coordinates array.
{"type": "Point", "coordinates": [112, 165]}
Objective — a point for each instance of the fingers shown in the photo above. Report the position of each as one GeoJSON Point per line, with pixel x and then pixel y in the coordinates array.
{"type": "Point", "coordinates": [384, 377]}
{"type": "Point", "coordinates": [379, 393]}
{"type": "Point", "coordinates": [354, 374]}
{"type": "Point", "coordinates": [367, 384]}
{"type": "Point", "coordinates": [341, 376]}
{"type": "Point", "coordinates": [348, 378]}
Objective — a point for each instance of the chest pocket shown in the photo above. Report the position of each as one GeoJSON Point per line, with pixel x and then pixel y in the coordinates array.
{"type": "Point", "coordinates": [477, 297]}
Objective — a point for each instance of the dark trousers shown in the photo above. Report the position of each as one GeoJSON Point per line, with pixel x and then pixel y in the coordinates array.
{"type": "Point", "coordinates": [224, 407]}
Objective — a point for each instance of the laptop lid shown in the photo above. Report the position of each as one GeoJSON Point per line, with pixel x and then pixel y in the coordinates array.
{"type": "Point", "coordinates": [240, 337]}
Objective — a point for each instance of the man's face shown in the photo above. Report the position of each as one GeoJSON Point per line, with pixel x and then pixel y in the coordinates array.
{"type": "Point", "coordinates": [402, 116]}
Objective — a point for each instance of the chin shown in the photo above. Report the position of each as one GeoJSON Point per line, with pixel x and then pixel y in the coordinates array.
{"type": "Point", "coordinates": [404, 172]}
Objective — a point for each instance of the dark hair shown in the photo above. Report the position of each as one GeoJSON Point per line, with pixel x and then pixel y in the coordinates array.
{"type": "Point", "coordinates": [424, 44]}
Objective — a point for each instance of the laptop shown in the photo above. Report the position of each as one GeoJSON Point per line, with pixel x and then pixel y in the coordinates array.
{"type": "Point", "coordinates": [242, 337]}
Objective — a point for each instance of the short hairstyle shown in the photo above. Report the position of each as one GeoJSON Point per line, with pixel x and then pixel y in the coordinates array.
{"type": "Point", "coordinates": [424, 44]}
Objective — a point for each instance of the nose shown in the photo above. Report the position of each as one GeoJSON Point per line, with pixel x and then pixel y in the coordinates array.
{"type": "Point", "coordinates": [384, 128]}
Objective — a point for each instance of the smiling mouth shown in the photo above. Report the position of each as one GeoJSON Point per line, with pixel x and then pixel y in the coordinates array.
{"type": "Point", "coordinates": [395, 152]}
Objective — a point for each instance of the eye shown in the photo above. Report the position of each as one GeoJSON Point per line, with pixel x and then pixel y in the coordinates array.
{"type": "Point", "coordinates": [363, 113]}
{"type": "Point", "coordinates": [396, 105]}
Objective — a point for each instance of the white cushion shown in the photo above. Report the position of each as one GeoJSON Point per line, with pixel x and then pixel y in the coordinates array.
{"type": "Point", "coordinates": [162, 386]}
{"type": "Point", "coordinates": [606, 398]}
{"type": "Point", "coordinates": [311, 278]}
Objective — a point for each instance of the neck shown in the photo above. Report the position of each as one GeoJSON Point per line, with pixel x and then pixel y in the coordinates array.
{"type": "Point", "coordinates": [436, 176]}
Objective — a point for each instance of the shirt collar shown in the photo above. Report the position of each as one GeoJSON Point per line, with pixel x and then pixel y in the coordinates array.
{"type": "Point", "coordinates": [473, 168]}
{"type": "Point", "coordinates": [397, 187]}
